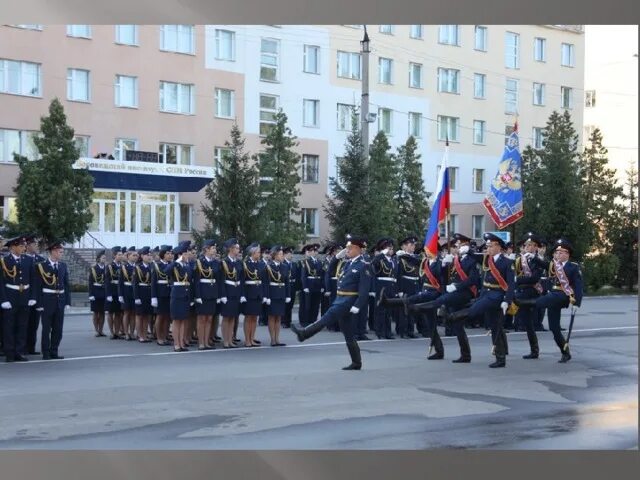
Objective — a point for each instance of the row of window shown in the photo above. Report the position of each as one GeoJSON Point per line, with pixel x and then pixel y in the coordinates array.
{"type": "Point", "coordinates": [449, 129]}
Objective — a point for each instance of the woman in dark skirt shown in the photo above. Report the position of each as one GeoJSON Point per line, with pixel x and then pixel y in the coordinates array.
{"type": "Point", "coordinates": [111, 282]}
{"type": "Point", "coordinates": [207, 276]}
{"type": "Point", "coordinates": [125, 293]}
{"type": "Point", "coordinates": [253, 294]}
{"type": "Point", "coordinates": [180, 279]}
{"type": "Point", "coordinates": [230, 291]}
{"type": "Point", "coordinates": [96, 293]}
{"type": "Point", "coordinates": [160, 293]}
{"type": "Point", "coordinates": [142, 294]}
{"type": "Point", "coordinates": [278, 292]}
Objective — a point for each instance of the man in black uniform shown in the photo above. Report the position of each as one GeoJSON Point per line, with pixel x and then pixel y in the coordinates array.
{"type": "Point", "coordinates": [408, 277]}
{"type": "Point", "coordinates": [291, 271]}
{"type": "Point", "coordinates": [34, 315]}
{"type": "Point", "coordinates": [311, 276]}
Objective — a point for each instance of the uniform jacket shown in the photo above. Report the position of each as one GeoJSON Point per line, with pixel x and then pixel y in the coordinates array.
{"type": "Point", "coordinates": [276, 284]}
{"type": "Point", "coordinates": [356, 277]}
{"type": "Point", "coordinates": [96, 281]}
{"type": "Point", "coordinates": [159, 280]}
{"type": "Point", "coordinates": [231, 277]}
{"type": "Point", "coordinates": [469, 267]}
{"type": "Point", "coordinates": [125, 282]}
{"type": "Point", "coordinates": [45, 280]}
{"type": "Point", "coordinates": [142, 282]}
{"type": "Point", "coordinates": [207, 277]}
{"type": "Point", "coordinates": [112, 280]}
{"type": "Point", "coordinates": [16, 272]}
{"type": "Point", "coordinates": [180, 272]}
{"type": "Point", "coordinates": [312, 274]}
{"type": "Point", "coordinates": [507, 272]}
{"type": "Point", "coordinates": [252, 279]}
{"type": "Point", "coordinates": [408, 273]}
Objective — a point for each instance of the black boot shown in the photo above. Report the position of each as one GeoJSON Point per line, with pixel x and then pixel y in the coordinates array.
{"type": "Point", "coordinates": [356, 359]}
{"type": "Point", "coordinates": [566, 354]}
{"type": "Point", "coordinates": [533, 344]}
{"type": "Point", "coordinates": [306, 332]}
{"type": "Point", "coordinates": [525, 302]}
{"type": "Point", "coordinates": [465, 350]}
{"type": "Point", "coordinates": [459, 315]}
{"type": "Point", "coordinates": [422, 307]}
{"type": "Point", "coordinates": [499, 363]}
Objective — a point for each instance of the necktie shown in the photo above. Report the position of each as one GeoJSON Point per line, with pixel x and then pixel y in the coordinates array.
{"type": "Point", "coordinates": [55, 267]}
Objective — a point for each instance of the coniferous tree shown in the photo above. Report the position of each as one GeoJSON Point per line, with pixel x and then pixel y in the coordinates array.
{"type": "Point", "coordinates": [233, 195]}
{"type": "Point", "coordinates": [52, 198]}
{"type": "Point", "coordinates": [623, 232]}
{"type": "Point", "coordinates": [383, 187]}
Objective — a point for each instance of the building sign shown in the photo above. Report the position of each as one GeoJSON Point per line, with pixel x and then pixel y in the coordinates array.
{"type": "Point", "coordinates": [138, 156]}
{"type": "Point", "coordinates": [146, 176]}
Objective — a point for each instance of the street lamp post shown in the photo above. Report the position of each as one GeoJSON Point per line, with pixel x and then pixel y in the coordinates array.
{"type": "Point", "coordinates": [364, 105]}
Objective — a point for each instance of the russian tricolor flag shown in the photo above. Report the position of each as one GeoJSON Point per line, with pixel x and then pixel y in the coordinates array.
{"type": "Point", "coordinates": [440, 207]}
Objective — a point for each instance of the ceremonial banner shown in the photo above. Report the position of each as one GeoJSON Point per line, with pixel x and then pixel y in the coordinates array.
{"type": "Point", "coordinates": [440, 206]}
{"type": "Point", "coordinates": [504, 200]}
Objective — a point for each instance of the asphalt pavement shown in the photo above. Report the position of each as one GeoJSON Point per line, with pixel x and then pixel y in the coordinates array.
{"type": "Point", "coordinates": [114, 394]}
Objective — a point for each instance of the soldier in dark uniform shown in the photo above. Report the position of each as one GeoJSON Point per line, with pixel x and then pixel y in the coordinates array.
{"type": "Point", "coordinates": [96, 292]}
{"type": "Point", "coordinates": [152, 323]}
{"type": "Point", "coordinates": [180, 278]}
{"type": "Point", "coordinates": [544, 282]}
{"type": "Point", "coordinates": [408, 283]}
{"type": "Point", "coordinates": [385, 271]}
{"type": "Point", "coordinates": [34, 315]}
{"type": "Point", "coordinates": [142, 293]}
{"type": "Point", "coordinates": [51, 280]}
{"type": "Point", "coordinates": [253, 292]}
{"type": "Point", "coordinates": [111, 282]}
{"type": "Point", "coordinates": [230, 291]}
{"type": "Point", "coordinates": [207, 277]}
{"type": "Point", "coordinates": [265, 259]}
{"type": "Point", "coordinates": [160, 294]}
{"type": "Point", "coordinates": [125, 293]}
{"type": "Point", "coordinates": [370, 311]}
{"type": "Point", "coordinates": [291, 273]}
{"type": "Point", "coordinates": [277, 289]}
{"type": "Point", "coordinates": [311, 276]}
{"type": "Point", "coordinates": [329, 266]}
{"type": "Point", "coordinates": [16, 296]}
{"type": "Point", "coordinates": [351, 296]}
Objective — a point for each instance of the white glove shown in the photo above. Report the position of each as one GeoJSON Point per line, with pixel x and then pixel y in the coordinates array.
{"type": "Point", "coordinates": [121, 299]}
{"type": "Point", "coordinates": [40, 309]}
{"type": "Point", "coordinates": [327, 294]}
{"type": "Point", "coordinates": [451, 288]}
{"type": "Point", "coordinates": [399, 253]}
{"type": "Point", "coordinates": [528, 255]}
{"type": "Point", "coordinates": [372, 294]}
{"type": "Point", "coordinates": [574, 309]}
{"type": "Point", "coordinates": [268, 301]}
{"type": "Point", "coordinates": [92, 298]}
{"type": "Point", "coordinates": [464, 249]}
{"type": "Point", "coordinates": [385, 251]}
{"type": "Point", "coordinates": [265, 300]}
{"type": "Point", "coordinates": [31, 303]}
{"type": "Point", "coordinates": [223, 300]}
{"type": "Point", "coordinates": [322, 290]}
{"type": "Point", "coordinates": [243, 300]}
{"type": "Point", "coordinates": [341, 253]}
{"type": "Point", "coordinates": [191, 304]}
{"type": "Point", "coordinates": [109, 299]}
{"type": "Point", "coordinates": [217, 300]}
{"type": "Point", "coordinates": [504, 306]}
{"type": "Point", "coordinates": [354, 310]}
{"type": "Point", "coordinates": [138, 301]}
{"type": "Point", "coordinates": [305, 290]}
{"type": "Point", "coordinates": [511, 256]}
{"type": "Point", "coordinates": [287, 300]}
{"type": "Point", "coordinates": [400, 294]}
{"type": "Point", "coordinates": [6, 305]}
{"type": "Point", "coordinates": [448, 258]}
{"type": "Point", "coordinates": [199, 300]}
{"type": "Point", "coordinates": [154, 302]}
{"type": "Point", "coordinates": [66, 307]}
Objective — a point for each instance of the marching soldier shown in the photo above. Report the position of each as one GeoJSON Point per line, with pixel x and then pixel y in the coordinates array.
{"type": "Point", "coordinates": [408, 282]}
{"type": "Point", "coordinates": [230, 291]}
{"type": "Point", "coordinates": [180, 278]}
{"type": "Point", "coordinates": [253, 293]}
{"type": "Point", "coordinates": [142, 294]}
{"type": "Point", "coordinates": [125, 292]}
{"type": "Point", "coordinates": [96, 292]}
{"type": "Point", "coordinates": [51, 281]}
{"type": "Point", "coordinates": [207, 277]}
{"type": "Point", "coordinates": [351, 296]}
{"type": "Point", "coordinates": [160, 294]}
{"type": "Point", "coordinates": [292, 275]}
{"type": "Point", "coordinates": [111, 282]}
{"type": "Point", "coordinates": [311, 276]}
{"type": "Point", "coordinates": [278, 292]}
{"type": "Point", "coordinates": [16, 297]}
{"type": "Point", "coordinates": [385, 270]}
{"type": "Point", "coordinates": [34, 315]}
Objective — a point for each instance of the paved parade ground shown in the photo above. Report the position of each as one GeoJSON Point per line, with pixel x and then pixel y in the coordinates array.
{"type": "Point", "coordinates": [109, 394]}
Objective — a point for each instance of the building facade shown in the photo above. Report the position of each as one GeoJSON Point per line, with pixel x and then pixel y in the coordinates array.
{"type": "Point", "coordinates": [175, 91]}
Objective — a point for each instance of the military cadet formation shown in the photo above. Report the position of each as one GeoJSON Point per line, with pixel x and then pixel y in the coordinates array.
{"type": "Point", "coordinates": [180, 298]}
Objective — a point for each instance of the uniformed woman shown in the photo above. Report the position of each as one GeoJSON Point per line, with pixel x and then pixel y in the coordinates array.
{"type": "Point", "coordinates": [278, 292]}
{"type": "Point", "coordinates": [125, 293]}
{"type": "Point", "coordinates": [180, 278]}
{"type": "Point", "coordinates": [111, 281]}
{"type": "Point", "coordinates": [230, 291]}
{"type": "Point", "coordinates": [96, 292]}
{"type": "Point", "coordinates": [207, 276]}
{"type": "Point", "coordinates": [160, 293]}
{"type": "Point", "coordinates": [253, 294]}
{"type": "Point", "coordinates": [142, 294]}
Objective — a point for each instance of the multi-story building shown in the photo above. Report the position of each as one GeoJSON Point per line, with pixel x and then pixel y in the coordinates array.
{"type": "Point", "coordinates": [176, 90]}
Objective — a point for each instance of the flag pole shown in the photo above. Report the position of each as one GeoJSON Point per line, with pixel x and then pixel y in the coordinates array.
{"type": "Point", "coordinates": [447, 233]}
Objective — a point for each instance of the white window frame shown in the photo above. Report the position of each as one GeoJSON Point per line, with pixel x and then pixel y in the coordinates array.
{"type": "Point", "coordinates": [474, 225]}
{"type": "Point", "coordinates": [479, 128]}
{"type": "Point", "coordinates": [536, 137]}
{"type": "Point", "coordinates": [85, 139]}
{"type": "Point", "coordinates": [6, 156]}
{"type": "Point", "coordinates": [219, 110]}
{"type": "Point", "coordinates": [177, 44]}
{"type": "Point", "coordinates": [347, 63]}
{"type": "Point", "coordinates": [416, 32]}
{"type": "Point", "coordinates": [311, 112]}
{"type": "Point", "coordinates": [344, 111]}
{"type": "Point", "coordinates": [453, 180]}
{"type": "Point", "coordinates": [221, 36]}
{"type": "Point", "coordinates": [264, 54]}
{"type": "Point", "coordinates": [305, 212]}
{"type": "Point", "coordinates": [590, 98]}
{"type": "Point", "coordinates": [180, 107]}
{"type": "Point", "coordinates": [448, 80]}
{"type": "Point", "coordinates": [306, 167]}
{"type": "Point", "coordinates": [120, 32]}
{"type": "Point", "coordinates": [73, 75]}
{"type": "Point", "coordinates": [75, 31]}
{"type": "Point", "coordinates": [508, 93]}
{"type": "Point", "coordinates": [189, 217]}
{"type": "Point", "coordinates": [413, 66]}
{"type": "Point", "coordinates": [120, 147]}
{"type": "Point", "coordinates": [180, 153]}
{"type": "Point", "coordinates": [23, 73]}
{"type": "Point", "coordinates": [566, 105]}
{"type": "Point", "coordinates": [415, 124]}
{"type": "Point", "coordinates": [448, 127]}
{"type": "Point", "coordinates": [568, 49]}
{"type": "Point", "coordinates": [474, 178]}
{"type": "Point", "coordinates": [540, 49]}
{"type": "Point", "coordinates": [449, 35]}
{"type": "Point", "coordinates": [386, 29]}
{"type": "Point", "coordinates": [311, 62]}
{"type": "Point", "coordinates": [218, 157]}
{"type": "Point", "coordinates": [381, 113]}
{"type": "Point", "coordinates": [118, 90]}
{"type": "Point", "coordinates": [385, 69]}
{"type": "Point", "coordinates": [480, 37]}
{"type": "Point", "coordinates": [512, 50]}
{"type": "Point", "coordinates": [267, 110]}
{"type": "Point", "coordinates": [539, 90]}
{"type": "Point", "coordinates": [479, 86]}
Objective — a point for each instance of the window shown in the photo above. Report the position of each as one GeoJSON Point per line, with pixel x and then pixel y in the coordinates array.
{"type": "Point", "coordinates": [122, 145]}
{"type": "Point", "coordinates": [339, 163]}
{"type": "Point", "coordinates": [79, 31]}
{"type": "Point", "coordinates": [511, 96]}
{"type": "Point", "coordinates": [225, 45]}
{"type": "Point", "coordinates": [386, 29]}
{"type": "Point", "coordinates": [415, 75]}
{"type": "Point", "coordinates": [385, 68]}
{"type": "Point", "coordinates": [219, 157]}
{"type": "Point", "coordinates": [126, 91]}
{"type": "Point", "coordinates": [416, 31]}
{"type": "Point", "coordinates": [186, 217]}
{"type": "Point", "coordinates": [478, 180]}
{"type": "Point", "coordinates": [448, 128]}
{"type": "Point", "coordinates": [225, 100]}
{"type": "Point", "coordinates": [176, 98]}
{"type": "Point", "coordinates": [268, 110]}
{"type": "Point", "coordinates": [82, 144]}
{"type": "Point", "coordinates": [384, 120]}
{"type": "Point", "coordinates": [20, 78]}
{"type": "Point", "coordinates": [590, 98]}
{"type": "Point", "coordinates": [311, 59]}
{"type": "Point", "coordinates": [310, 221]}
{"type": "Point", "coordinates": [77, 85]}
{"type": "Point", "coordinates": [127, 34]}
{"type": "Point", "coordinates": [453, 178]}
{"type": "Point", "coordinates": [349, 65]}
{"type": "Point", "coordinates": [310, 167]}
{"type": "Point", "coordinates": [175, 154]}
{"type": "Point", "coordinates": [311, 113]}
{"type": "Point", "coordinates": [17, 141]}
{"type": "Point", "coordinates": [415, 124]}
{"type": "Point", "coordinates": [28, 27]}
{"type": "Point", "coordinates": [512, 50]}
{"type": "Point", "coordinates": [477, 225]}
{"type": "Point", "coordinates": [177, 38]}
{"type": "Point", "coordinates": [452, 224]}
{"type": "Point", "coordinates": [478, 132]}
{"type": "Point", "coordinates": [587, 132]}
{"type": "Point", "coordinates": [269, 59]}
{"type": "Point", "coordinates": [540, 49]}
{"type": "Point", "coordinates": [449, 35]}
{"type": "Point", "coordinates": [344, 116]}
{"type": "Point", "coordinates": [566, 95]}
{"type": "Point", "coordinates": [537, 137]}
{"type": "Point", "coordinates": [480, 43]}
{"type": "Point", "coordinates": [448, 80]}
{"type": "Point", "coordinates": [568, 58]}
{"type": "Point", "coordinates": [479, 81]}
{"type": "Point", "coordinates": [538, 93]}
{"type": "Point", "coordinates": [508, 130]}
